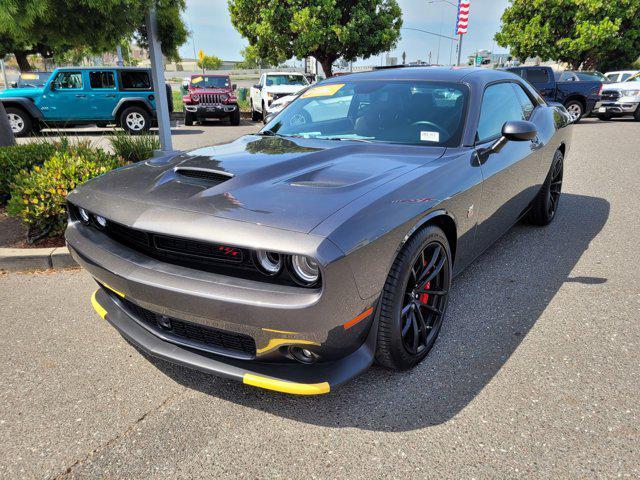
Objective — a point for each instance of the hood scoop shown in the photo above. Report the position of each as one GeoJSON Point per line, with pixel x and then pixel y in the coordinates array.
{"type": "Point", "coordinates": [207, 174]}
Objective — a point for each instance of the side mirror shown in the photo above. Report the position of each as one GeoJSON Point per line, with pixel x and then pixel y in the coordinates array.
{"type": "Point", "coordinates": [14, 84]}
{"type": "Point", "coordinates": [513, 131]}
{"type": "Point", "coordinates": [52, 86]}
{"type": "Point", "coordinates": [234, 86]}
{"type": "Point", "coordinates": [258, 86]}
{"type": "Point", "coordinates": [269, 117]}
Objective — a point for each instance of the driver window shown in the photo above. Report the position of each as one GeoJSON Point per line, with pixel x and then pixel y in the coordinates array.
{"type": "Point", "coordinates": [69, 80]}
{"type": "Point", "coordinates": [499, 105]}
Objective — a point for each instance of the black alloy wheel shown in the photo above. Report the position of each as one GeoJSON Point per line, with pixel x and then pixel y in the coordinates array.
{"type": "Point", "coordinates": [424, 299]}
{"type": "Point", "coordinates": [414, 300]}
{"type": "Point", "coordinates": [555, 188]}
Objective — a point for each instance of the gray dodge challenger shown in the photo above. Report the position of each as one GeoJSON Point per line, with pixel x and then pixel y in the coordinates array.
{"type": "Point", "coordinates": [294, 258]}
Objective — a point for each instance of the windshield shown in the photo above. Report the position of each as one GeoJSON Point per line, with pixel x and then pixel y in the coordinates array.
{"type": "Point", "coordinates": [207, 81]}
{"type": "Point", "coordinates": [591, 76]}
{"type": "Point", "coordinates": [286, 80]}
{"type": "Point", "coordinates": [635, 78]}
{"type": "Point", "coordinates": [408, 112]}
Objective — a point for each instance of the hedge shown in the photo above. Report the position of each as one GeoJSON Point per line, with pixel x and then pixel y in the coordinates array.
{"type": "Point", "coordinates": [22, 158]}
{"type": "Point", "coordinates": [39, 197]}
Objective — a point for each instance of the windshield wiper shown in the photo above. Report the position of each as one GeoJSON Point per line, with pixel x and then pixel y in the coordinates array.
{"type": "Point", "coordinates": [346, 139]}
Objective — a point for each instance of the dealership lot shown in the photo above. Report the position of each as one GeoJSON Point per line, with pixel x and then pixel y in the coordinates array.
{"type": "Point", "coordinates": [535, 374]}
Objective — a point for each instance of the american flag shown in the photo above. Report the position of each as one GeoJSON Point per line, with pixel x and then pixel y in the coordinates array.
{"type": "Point", "coordinates": [463, 16]}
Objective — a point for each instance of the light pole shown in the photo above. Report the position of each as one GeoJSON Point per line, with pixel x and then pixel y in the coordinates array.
{"type": "Point", "coordinates": [454, 5]}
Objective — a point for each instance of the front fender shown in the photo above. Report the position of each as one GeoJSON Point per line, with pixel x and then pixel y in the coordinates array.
{"type": "Point", "coordinates": [24, 103]}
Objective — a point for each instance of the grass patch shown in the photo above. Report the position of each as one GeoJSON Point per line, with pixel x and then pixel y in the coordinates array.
{"type": "Point", "coordinates": [134, 148]}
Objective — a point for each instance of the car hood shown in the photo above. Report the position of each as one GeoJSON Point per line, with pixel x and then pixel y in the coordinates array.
{"type": "Point", "coordinates": [22, 92]}
{"type": "Point", "coordinates": [622, 86]}
{"type": "Point", "coordinates": [200, 91]}
{"type": "Point", "coordinates": [284, 88]}
{"type": "Point", "coordinates": [287, 183]}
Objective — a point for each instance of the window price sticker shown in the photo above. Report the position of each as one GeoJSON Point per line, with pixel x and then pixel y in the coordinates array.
{"type": "Point", "coordinates": [429, 136]}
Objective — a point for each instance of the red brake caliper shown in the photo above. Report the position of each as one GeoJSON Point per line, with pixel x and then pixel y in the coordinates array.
{"type": "Point", "coordinates": [424, 297]}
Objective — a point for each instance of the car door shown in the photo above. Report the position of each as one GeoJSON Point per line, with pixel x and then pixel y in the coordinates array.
{"type": "Point", "coordinates": [66, 99]}
{"type": "Point", "coordinates": [510, 176]}
{"type": "Point", "coordinates": [102, 95]}
{"type": "Point", "coordinates": [540, 78]}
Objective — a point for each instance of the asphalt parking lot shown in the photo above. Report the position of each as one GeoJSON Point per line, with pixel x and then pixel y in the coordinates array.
{"type": "Point", "coordinates": [536, 373]}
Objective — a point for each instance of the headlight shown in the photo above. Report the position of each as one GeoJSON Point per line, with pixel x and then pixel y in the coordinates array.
{"type": "Point", "coordinates": [195, 98]}
{"type": "Point", "coordinates": [305, 269]}
{"type": "Point", "coordinates": [84, 215]}
{"type": "Point", "coordinates": [631, 93]}
{"type": "Point", "coordinates": [269, 262]}
{"type": "Point", "coordinates": [269, 96]}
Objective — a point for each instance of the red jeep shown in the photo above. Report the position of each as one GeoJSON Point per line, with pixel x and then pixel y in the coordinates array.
{"type": "Point", "coordinates": [210, 96]}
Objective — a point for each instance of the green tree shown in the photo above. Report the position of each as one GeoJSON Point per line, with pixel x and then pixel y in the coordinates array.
{"type": "Point", "coordinates": [589, 34]}
{"type": "Point", "coordinates": [324, 29]}
{"type": "Point", "coordinates": [250, 59]}
{"type": "Point", "coordinates": [210, 62]}
{"type": "Point", "coordinates": [54, 27]}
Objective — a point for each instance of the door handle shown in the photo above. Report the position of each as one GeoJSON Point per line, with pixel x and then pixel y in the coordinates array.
{"type": "Point", "coordinates": [80, 95]}
{"type": "Point", "coordinates": [111, 95]}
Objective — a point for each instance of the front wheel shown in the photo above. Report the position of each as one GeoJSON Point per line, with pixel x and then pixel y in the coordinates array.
{"type": "Point", "coordinates": [189, 118]}
{"type": "Point", "coordinates": [19, 121]}
{"type": "Point", "coordinates": [135, 120]}
{"type": "Point", "coordinates": [575, 109]}
{"type": "Point", "coordinates": [604, 117]}
{"type": "Point", "coordinates": [255, 116]}
{"type": "Point", "coordinates": [545, 205]}
{"type": "Point", "coordinates": [234, 118]}
{"type": "Point", "coordinates": [414, 300]}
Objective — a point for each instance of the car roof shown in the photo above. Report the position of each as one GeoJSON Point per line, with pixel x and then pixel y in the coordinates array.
{"type": "Point", "coordinates": [442, 74]}
{"type": "Point", "coordinates": [103, 68]}
{"type": "Point", "coordinates": [284, 73]}
{"type": "Point", "coordinates": [209, 75]}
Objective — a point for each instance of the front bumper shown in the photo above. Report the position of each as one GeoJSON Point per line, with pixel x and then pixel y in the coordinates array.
{"type": "Point", "coordinates": [618, 108]}
{"type": "Point", "coordinates": [290, 378]}
{"type": "Point", "coordinates": [211, 110]}
{"type": "Point", "coordinates": [276, 317]}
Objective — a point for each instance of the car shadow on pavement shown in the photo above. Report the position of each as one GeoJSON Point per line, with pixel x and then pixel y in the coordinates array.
{"type": "Point", "coordinates": [493, 305]}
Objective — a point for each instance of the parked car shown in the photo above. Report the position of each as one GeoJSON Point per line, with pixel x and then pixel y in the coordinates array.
{"type": "Point", "coordinates": [85, 95]}
{"type": "Point", "coordinates": [272, 86]}
{"type": "Point", "coordinates": [578, 97]}
{"type": "Point", "coordinates": [293, 258]}
{"type": "Point", "coordinates": [579, 76]}
{"type": "Point", "coordinates": [620, 99]}
{"type": "Point", "coordinates": [620, 76]}
{"type": "Point", "coordinates": [31, 79]}
{"type": "Point", "coordinates": [210, 96]}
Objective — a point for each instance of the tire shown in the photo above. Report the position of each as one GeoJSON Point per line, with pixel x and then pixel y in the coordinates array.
{"type": "Point", "coordinates": [189, 118]}
{"type": "Point", "coordinates": [636, 114]}
{"type": "Point", "coordinates": [135, 120]}
{"type": "Point", "coordinates": [234, 118]}
{"type": "Point", "coordinates": [396, 349]}
{"type": "Point", "coordinates": [255, 116]}
{"type": "Point", "coordinates": [545, 205]}
{"type": "Point", "coordinates": [20, 121]}
{"type": "Point", "coordinates": [576, 109]}
{"type": "Point", "coordinates": [604, 117]}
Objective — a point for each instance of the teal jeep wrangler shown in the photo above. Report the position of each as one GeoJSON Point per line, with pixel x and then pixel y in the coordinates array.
{"type": "Point", "coordinates": [78, 96]}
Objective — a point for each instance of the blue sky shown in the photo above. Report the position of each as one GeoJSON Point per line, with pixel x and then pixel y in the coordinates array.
{"type": "Point", "coordinates": [212, 30]}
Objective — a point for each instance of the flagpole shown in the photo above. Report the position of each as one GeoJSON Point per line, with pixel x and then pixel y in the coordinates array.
{"type": "Point", "coordinates": [459, 48]}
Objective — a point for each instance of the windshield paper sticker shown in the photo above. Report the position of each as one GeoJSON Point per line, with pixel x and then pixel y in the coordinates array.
{"type": "Point", "coordinates": [322, 91]}
{"type": "Point", "coordinates": [196, 79]}
{"type": "Point", "coordinates": [429, 136]}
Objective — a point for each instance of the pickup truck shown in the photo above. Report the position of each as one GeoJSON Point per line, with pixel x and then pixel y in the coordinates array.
{"type": "Point", "coordinates": [210, 96]}
{"type": "Point", "coordinates": [85, 95]}
{"type": "Point", "coordinates": [620, 99]}
{"type": "Point", "coordinates": [579, 98]}
{"type": "Point", "coordinates": [273, 85]}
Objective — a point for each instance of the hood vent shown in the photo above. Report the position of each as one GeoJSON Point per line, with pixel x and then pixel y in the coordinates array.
{"type": "Point", "coordinates": [213, 176]}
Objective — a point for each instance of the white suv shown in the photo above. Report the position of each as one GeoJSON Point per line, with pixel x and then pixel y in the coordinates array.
{"type": "Point", "coordinates": [272, 86]}
{"type": "Point", "coordinates": [620, 99]}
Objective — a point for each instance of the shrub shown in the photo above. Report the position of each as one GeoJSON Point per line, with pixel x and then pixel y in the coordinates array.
{"type": "Point", "coordinates": [134, 148]}
{"type": "Point", "coordinates": [15, 158]}
{"type": "Point", "coordinates": [39, 198]}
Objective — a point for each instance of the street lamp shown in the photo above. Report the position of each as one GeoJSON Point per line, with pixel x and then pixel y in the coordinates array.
{"type": "Point", "coordinates": [455, 5]}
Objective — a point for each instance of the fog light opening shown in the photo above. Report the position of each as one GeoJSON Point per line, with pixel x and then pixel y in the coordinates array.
{"type": "Point", "coordinates": [303, 355]}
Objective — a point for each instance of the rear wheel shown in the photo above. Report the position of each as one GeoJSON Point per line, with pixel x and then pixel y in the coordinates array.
{"type": "Point", "coordinates": [19, 121]}
{"type": "Point", "coordinates": [135, 120]}
{"type": "Point", "coordinates": [545, 205]}
{"type": "Point", "coordinates": [414, 300]}
{"type": "Point", "coordinates": [575, 108]}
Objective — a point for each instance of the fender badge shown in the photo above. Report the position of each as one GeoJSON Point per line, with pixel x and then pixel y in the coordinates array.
{"type": "Point", "coordinates": [470, 211]}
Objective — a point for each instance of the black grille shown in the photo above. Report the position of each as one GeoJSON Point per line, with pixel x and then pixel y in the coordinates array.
{"type": "Point", "coordinates": [212, 98]}
{"type": "Point", "coordinates": [208, 175]}
{"type": "Point", "coordinates": [610, 95]}
{"type": "Point", "coordinates": [200, 334]}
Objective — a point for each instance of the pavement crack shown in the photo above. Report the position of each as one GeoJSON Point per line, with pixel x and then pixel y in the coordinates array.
{"type": "Point", "coordinates": [104, 446]}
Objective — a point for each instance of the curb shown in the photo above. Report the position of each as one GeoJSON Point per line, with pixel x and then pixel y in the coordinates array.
{"type": "Point", "coordinates": [21, 259]}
